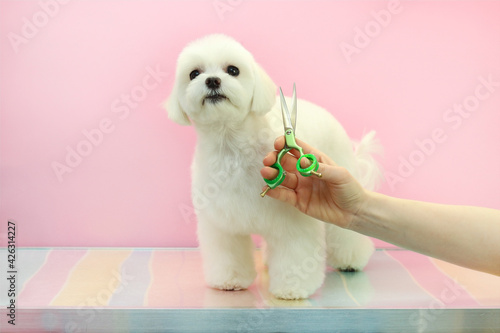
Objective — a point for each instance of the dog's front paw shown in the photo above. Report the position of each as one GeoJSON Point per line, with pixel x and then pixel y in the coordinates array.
{"type": "Point", "coordinates": [288, 293]}
{"type": "Point", "coordinates": [232, 284]}
{"type": "Point", "coordinates": [231, 281]}
{"type": "Point", "coordinates": [297, 284]}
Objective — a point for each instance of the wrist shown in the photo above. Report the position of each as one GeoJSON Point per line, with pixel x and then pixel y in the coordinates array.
{"type": "Point", "coordinates": [364, 212]}
{"type": "Point", "coordinates": [378, 217]}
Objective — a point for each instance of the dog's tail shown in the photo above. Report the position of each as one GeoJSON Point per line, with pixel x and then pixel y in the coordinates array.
{"type": "Point", "coordinates": [369, 170]}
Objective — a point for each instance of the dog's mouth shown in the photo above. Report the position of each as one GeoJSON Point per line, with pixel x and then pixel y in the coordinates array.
{"type": "Point", "coordinates": [214, 97]}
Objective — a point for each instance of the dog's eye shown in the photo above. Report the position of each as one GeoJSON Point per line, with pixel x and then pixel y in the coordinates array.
{"type": "Point", "coordinates": [194, 74]}
{"type": "Point", "coordinates": [233, 70]}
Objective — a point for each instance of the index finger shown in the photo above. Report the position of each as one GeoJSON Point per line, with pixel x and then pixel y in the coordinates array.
{"type": "Point", "coordinates": [288, 161]}
{"type": "Point", "coordinates": [279, 143]}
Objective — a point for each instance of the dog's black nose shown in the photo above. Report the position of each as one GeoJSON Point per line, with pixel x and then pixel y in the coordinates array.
{"type": "Point", "coordinates": [213, 82]}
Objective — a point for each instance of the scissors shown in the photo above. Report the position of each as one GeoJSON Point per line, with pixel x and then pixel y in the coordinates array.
{"type": "Point", "coordinates": [289, 121]}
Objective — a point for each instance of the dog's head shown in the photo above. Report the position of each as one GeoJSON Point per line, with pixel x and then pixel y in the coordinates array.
{"type": "Point", "coordinates": [218, 80]}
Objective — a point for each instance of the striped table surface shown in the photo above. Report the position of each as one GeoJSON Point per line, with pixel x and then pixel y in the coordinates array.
{"type": "Point", "coordinates": [95, 283]}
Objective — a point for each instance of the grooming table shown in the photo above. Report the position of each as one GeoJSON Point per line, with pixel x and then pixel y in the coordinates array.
{"type": "Point", "coordinates": [160, 290]}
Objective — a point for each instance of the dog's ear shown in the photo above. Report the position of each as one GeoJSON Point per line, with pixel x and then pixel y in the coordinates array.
{"type": "Point", "coordinates": [264, 91]}
{"type": "Point", "coordinates": [174, 108]}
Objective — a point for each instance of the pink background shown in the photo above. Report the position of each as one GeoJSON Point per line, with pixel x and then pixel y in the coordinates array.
{"type": "Point", "coordinates": [133, 188]}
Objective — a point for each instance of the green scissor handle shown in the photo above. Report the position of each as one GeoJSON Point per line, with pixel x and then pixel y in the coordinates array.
{"type": "Point", "coordinates": [306, 172]}
{"type": "Point", "coordinates": [311, 169]}
{"type": "Point", "coordinates": [275, 182]}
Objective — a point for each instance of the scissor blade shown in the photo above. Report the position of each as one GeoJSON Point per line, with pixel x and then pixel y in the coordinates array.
{"type": "Point", "coordinates": [287, 121]}
{"type": "Point", "coordinates": [293, 116]}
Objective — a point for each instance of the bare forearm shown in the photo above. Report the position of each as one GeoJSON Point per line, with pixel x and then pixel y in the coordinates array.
{"type": "Point", "coordinates": [466, 236]}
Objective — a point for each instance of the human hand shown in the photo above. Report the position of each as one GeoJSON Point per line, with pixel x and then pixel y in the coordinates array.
{"type": "Point", "coordinates": [335, 198]}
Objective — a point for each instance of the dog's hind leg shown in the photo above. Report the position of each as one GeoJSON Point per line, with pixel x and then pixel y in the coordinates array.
{"type": "Point", "coordinates": [346, 249]}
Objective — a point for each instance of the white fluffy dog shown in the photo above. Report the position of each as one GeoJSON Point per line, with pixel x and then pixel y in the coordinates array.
{"type": "Point", "coordinates": [233, 104]}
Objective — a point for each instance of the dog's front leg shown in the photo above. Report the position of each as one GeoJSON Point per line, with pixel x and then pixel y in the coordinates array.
{"type": "Point", "coordinates": [227, 258]}
{"type": "Point", "coordinates": [296, 259]}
